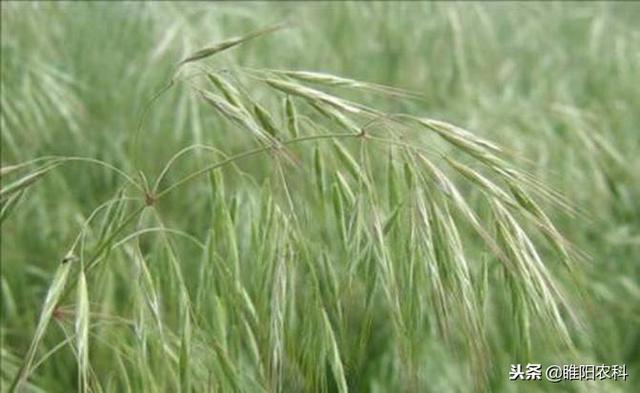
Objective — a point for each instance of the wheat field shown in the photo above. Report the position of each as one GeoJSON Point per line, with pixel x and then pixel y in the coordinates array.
{"type": "Point", "coordinates": [319, 196]}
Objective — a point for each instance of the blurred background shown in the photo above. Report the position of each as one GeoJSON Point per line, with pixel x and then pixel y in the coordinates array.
{"type": "Point", "coordinates": [558, 83]}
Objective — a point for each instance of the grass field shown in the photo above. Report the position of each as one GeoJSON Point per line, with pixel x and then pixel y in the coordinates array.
{"type": "Point", "coordinates": [318, 197]}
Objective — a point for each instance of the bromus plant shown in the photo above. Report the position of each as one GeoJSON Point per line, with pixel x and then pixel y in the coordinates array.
{"type": "Point", "coordinates": [324, 241]}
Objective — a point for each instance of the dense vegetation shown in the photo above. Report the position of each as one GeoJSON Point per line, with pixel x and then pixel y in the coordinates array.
{"type": "Point", "coordinates": [344, 197]}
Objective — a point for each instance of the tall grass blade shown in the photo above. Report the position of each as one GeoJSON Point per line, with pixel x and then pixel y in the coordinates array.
{"type": "Point", "coordinates": [227, 44]}
{"type": "Point", "coordinates": [50, 303]}
{"type": "Point", "coordinates": [82, 333]}
{"type": "Point", "coordinates": [10, 204]}
{"type": "Point", "coordinates": [334, 355]}
{"type": "Point", "coordinates": [25, 181]}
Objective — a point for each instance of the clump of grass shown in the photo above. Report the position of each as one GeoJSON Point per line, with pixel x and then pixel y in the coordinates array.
{"type": "Point", "coordinates": [276, 303]}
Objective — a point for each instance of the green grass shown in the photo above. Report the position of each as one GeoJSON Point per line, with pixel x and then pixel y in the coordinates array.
{"type": "Point", "coordinates": [374, 197]}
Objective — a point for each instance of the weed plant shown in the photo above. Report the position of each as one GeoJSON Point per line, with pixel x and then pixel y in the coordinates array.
{"type": "Point", "coordinates": [211, 221]}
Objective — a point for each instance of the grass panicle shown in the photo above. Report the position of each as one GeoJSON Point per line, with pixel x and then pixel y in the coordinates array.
{"type": "Point", "coordinates": [395, 242]}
